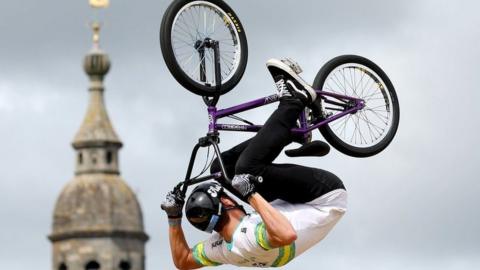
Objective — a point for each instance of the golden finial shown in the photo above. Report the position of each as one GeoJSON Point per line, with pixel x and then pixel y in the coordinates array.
{"type": "Point", "coordinates": [96, 33]}
{"type": "Point", "coordinates": [99, 3]}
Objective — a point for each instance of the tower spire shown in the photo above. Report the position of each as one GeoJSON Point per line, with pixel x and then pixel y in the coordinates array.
{"type": "Point", "coordinates": [96, 141]}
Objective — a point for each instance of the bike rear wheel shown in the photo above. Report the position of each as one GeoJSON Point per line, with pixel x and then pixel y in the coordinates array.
{"type": "Point", "coordinates": [187, 27]}
{"type": "Point", "coordinates": [370, 130]}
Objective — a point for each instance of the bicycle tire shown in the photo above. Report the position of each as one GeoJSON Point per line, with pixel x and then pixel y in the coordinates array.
{"type": "Point", "coordinates": [330, 133]}
{"type": "Point", "coordinates": [203, 89]}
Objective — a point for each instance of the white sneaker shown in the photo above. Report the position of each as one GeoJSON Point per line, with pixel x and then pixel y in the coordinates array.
{"type": "Point", "coordinates": [289, 83]}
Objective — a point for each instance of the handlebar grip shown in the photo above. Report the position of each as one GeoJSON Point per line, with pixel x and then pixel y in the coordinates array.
{"type": "Point", "coordinates": [259, 179]}
{"type": "Point", "coordinates": [256, 179]}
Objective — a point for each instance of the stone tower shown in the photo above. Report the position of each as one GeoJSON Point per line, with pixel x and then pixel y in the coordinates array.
{"type": "Point", "coordinates": [97, 223]}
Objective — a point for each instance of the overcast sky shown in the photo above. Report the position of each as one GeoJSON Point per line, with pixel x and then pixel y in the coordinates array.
{"type": "Point", "coordinates": [414, 206]}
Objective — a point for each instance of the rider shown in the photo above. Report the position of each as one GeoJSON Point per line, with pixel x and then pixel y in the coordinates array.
{"type": "Point", "coordinates": [295, 206]}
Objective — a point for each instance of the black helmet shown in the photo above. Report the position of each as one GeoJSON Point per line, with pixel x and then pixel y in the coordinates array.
{"type": "Point", "coordinates": [203, 208]}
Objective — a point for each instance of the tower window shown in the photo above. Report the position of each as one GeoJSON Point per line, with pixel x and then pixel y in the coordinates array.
{"type": "Point", "coordinates": [80, 158]}
{"type": "Point", "coordinates": [124, 265]}
{"type": "Point", "coordinates": [62, 266]}
{"type": "Point", "coordinates": [92, 265]}
{"type": "Point", "coordinates": [109, 157]}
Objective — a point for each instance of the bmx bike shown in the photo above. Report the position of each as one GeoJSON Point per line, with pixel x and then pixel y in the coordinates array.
{"type": "Point", "coordinates": [205, 48]}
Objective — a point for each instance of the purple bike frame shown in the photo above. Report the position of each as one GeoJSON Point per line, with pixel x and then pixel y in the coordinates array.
{"type": "Point", "coordinates": [350, 104]}
{"type": "Point", "coordinates": [214, 114]}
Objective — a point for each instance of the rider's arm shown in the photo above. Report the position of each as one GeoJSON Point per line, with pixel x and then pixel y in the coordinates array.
{"type": "Point", "coordinates": [182, 255]}
{"type": "Point", "coordinates": [280, 231]}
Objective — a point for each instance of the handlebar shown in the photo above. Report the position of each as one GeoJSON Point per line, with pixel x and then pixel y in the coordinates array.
{"type": "Point", "coordinates": [182, 187]}
{"type": "Point", "coordinates": [213, 140]}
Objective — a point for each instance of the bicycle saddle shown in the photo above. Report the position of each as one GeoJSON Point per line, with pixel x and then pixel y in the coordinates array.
{"type": "Point", "coordinates": [315, 148]}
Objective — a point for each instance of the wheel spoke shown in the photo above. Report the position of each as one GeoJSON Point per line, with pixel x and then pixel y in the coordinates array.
{"type": "Point", "coordinates": [369, 88]}
{"type": "Point", "coordinates": [378, 129]}
{"type": "Point", "coordinates": [179, 27]}
{"type": "Point", "coordinates": [345, 80]}
{"type": "Point", "coordinates": [344, 88]}
{"type": "Point", "coordinates": [361, 79]}
{"type": "Point", "coordinates": [368, 125]}
{"type": "Point", "coordinates": [345, 126]}
{"type": "Point", "coordinates": [354, 132]}
{"type": "Point", "coordinates": [189, 59]}
{"type": "Point", "coordinates": [375, 93]}
{"type": "Point", "coordinates": [360, 130]}
{"type": "Point", "coordinates": [372, 126]}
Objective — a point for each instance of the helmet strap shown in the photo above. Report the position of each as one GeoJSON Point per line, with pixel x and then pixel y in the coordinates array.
{"type": "Point", "coordinates": [219, 218]}
{"type": "Point", "coordinates": [213, 222]}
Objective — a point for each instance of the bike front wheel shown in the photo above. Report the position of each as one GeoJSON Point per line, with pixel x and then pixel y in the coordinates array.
{"type": "Point", "coordinates": [370, 130]}
{"type": "Point", "coordinates": [187, 29]}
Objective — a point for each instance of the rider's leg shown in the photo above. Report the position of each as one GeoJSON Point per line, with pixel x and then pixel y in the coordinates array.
{"type": "Point", "coordinates": [264, 147]}
{"type": "Point", "coordinates": [289, 182]}
{"type": "Point", "coordinates": [294, 94]}
{"type": "Point", "coordinates": [267, 144]}
{"type": "Point", "coordinates": [297, 184]}
{"type": "Point", "coordinates": [253, 156]}
{"type": "Point", "coordinates": [293, 183]}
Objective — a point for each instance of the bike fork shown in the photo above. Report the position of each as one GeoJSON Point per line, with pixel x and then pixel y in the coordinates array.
{"type": "Point", "coordinates": [209, 140]}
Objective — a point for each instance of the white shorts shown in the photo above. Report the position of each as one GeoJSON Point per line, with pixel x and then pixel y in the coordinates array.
{"type": "Point", "coordinates": [313, 220]}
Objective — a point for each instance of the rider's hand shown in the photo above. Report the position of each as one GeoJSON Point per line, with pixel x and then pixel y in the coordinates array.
{"type": "Point", "coordinates": [173, 204]}
{"type": "Point", "coordinates": [244, 184]}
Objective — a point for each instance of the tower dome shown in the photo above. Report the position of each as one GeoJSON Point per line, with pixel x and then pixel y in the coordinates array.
{"type": "Point", "coordinates": [93, 205]}
{"type": "Point", "coordinates": [96, 63]}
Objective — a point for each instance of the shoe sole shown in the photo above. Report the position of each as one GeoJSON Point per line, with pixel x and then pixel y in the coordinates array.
{"type": "Point", "coordinates": [280, 65]}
